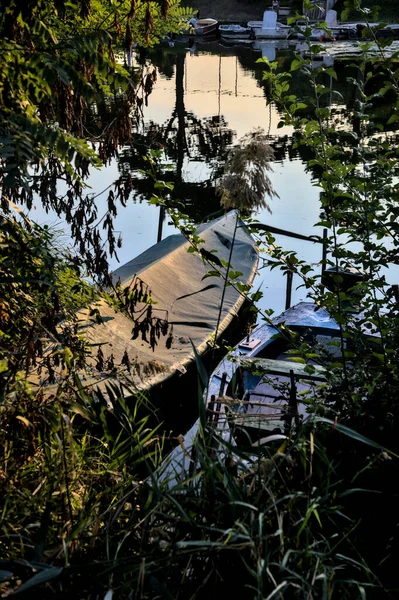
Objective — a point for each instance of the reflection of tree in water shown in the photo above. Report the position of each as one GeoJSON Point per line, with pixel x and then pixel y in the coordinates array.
{"type": "Point", "coordinates": [197, 148]}
{"type": "Point", "coordinates": [163, 61]}
{"type": "Point", "coordinates": [184, 139]}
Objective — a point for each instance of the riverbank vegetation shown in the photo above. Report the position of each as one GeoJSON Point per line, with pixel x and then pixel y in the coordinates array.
{"type": "Point", "coordinates": [237, 11]}
{"type": "Point", "coordinates": [82, 510]}
{"type": "Point", "coordinates": [242, 11]}
{"type": "Point", "coordinates": [385, 11]}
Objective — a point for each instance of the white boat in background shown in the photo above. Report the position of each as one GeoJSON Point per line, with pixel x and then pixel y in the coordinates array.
{"type": "Point", "coordinates": [234, 31]}
{"type": "Point", "coordinates": [269, 28]}
{"type": "Point", "coordinates": [335, 30]}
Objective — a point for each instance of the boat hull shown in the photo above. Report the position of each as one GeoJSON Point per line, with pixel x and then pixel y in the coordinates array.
{"type": "Point", "coordinates": [304, 316]}
{"type": "Point", "coordinates": [271, 34]}
{"type": "Point", "coordinates": [206, 26]}
{"type": "Point", "coordinates": [198, 310]}
{"type": "Point", "coordinates": [230, 32]}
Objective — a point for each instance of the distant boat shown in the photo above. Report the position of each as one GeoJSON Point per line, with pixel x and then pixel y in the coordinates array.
{"type": "Point", "coordinates": [337, 31]}
{"type": "Point", "coordinates": [389, 31]}
{"type": "Point", "coordinates": [269, 28]}
{"type": "Point", "coordinates": [234, 31]}
{"type": "Point", "coordinates": [204, 26]}
{"type": "Point", "coordinates": [182, 296]}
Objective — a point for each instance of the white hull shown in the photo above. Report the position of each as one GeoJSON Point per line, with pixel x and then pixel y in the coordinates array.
{"type": "Point", "coordinates": [233, 32]}
{"type": "Point", "coordinates": [271, 34]}
{"type": "Point", "coordinates": [269, 28]}
{"type": "Point", "coordinates": [255, 24]}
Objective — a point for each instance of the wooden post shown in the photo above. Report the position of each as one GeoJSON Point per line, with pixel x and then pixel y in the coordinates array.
{"type": "Point", "coordinates": [288, 293]}
{"type": "Point", "coordinates": [324, 251]}
{"type": "Point", "coordinates": [160, 222]}
{"type": "Point", "coordinates": [222, 384]}
{"type": "Point", "coordinates": [293, 404]}
{"type": "Point", "coordinates": [209, 410]}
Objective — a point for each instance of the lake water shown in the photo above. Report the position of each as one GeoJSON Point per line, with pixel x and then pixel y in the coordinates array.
{"type": "Point", "coordinates": [203, 102]}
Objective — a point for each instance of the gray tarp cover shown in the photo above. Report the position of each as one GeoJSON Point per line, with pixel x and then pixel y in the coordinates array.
{"type": "Point", "coordinates": [175, 278]}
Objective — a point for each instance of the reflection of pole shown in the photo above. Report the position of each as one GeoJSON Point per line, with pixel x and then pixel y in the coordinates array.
{"type": "Point", "coordinates": [220, 83]}
{"type": "Point", "coordinates": [236, 90]}
{"type": "Point", "coordinates": [270, 121]}
{"type": "Point", "coordinates": [181, 115]}
{"type": "Point", "coordinates": [160, 222]}
{"type": "Point", "coordinates": [357, 122]}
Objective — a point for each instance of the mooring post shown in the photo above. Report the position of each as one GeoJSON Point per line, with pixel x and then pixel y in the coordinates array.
{"type": "Point", "coordinates": [323, 258]}
{"type": "Point", "coordinates": [160, 222]}
{"type": "Point", "coordinates": [292, 405]}
{"type": "Point", "coordinates": [222, 384]}
{"type": "Point", "coordinates": [288, 293]}
{"type": "Point", "coordinates": [324, 252]}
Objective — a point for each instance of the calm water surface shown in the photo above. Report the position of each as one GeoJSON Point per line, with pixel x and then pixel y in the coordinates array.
{"type": "Point", "coordinates": [202, 103]}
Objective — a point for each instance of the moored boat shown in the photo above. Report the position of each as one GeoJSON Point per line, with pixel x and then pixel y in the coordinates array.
{"type": "Point", "coordinates": [204, 26]}
{"type": "Point", "coordinates": [335, 31]}
{"type": "Point", "coordinates": [269, 28]}
{"type": "Point", "coordinates": [187, 305]}
{"type": "Point", "coordinates": [255, 387]}
{"type": "Point", "coordinates": [234, 31]}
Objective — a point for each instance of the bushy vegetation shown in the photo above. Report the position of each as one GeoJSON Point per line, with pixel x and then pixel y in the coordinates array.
{"type": "Point", "coordinates": [83, 511]}
{"type": "Point", "coordinates": [381, 10]}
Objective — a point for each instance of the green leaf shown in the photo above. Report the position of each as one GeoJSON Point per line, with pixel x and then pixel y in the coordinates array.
{"type": "Point", "coordinates": [40, 578]}
{"type": "Point", "coordinates": [353, 434]}
{"type": "Point", "coordinates": [297, 64]}
{"type": "Point", "coordinates": [212, 274]}
{"type": "Point", "coordinates": [332, 73]}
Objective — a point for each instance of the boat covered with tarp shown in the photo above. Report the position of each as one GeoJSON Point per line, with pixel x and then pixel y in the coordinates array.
{"type": "Point", "coordinates": [176, 299]}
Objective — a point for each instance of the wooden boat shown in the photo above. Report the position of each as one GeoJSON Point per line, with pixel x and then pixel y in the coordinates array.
{"type": "Point", "coordinates": [245, 390]}
{"type": "Point", "coordinates": [204, 26]}
{"type": "Point", "coordinates": [175, 303]}
{"type": "Point", "coordinates": [234, 31]}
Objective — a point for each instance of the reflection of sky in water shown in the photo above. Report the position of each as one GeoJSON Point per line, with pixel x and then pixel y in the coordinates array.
{"type": "Point", "coordinates": [241, 101]}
